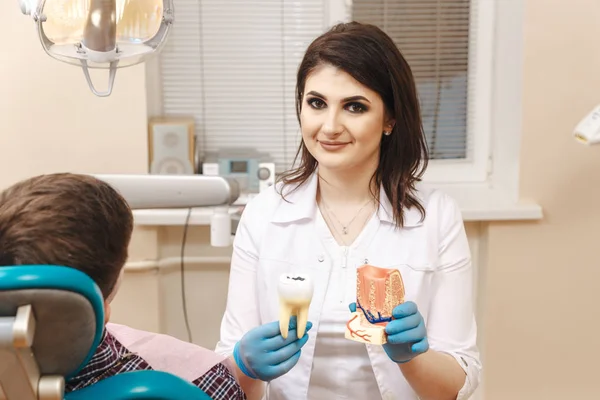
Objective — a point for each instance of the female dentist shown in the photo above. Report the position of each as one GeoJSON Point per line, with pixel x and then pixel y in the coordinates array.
{"type": "Point", "coordinates": [354, 199]}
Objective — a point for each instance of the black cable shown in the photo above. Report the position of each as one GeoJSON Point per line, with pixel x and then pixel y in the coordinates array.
{"type": "Point", "coordinates": [183, 297]}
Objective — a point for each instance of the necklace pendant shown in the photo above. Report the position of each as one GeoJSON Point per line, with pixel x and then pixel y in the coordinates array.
{"type": "Point", "coordinates": [344, 230]}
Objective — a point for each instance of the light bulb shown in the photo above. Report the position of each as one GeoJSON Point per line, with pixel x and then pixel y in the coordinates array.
{"type": "Point", "coordinates": [137, 20]}
{"type": "Point", "coordinates": [107, 34]}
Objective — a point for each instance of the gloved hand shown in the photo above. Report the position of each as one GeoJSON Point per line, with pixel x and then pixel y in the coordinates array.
{"type": "Point", "coordinates": [406, 333]}
{"type": "Point", "coordinates": [264, 354]}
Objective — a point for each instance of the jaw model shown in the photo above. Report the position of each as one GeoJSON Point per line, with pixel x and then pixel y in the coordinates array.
{"type": "Point", "coordinates": [378, 291]}
{"type": "Point", "coordinates": [295, 295]}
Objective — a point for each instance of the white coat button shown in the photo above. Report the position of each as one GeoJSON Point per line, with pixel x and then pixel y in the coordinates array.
{"type": "Point", "coordinates": [321, 258]}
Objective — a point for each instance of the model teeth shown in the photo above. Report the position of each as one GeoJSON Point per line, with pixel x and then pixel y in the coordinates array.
{"type": "Point", "coordinates": [295, 295]}
{"type": "Point", "coordinates": [378, 291]}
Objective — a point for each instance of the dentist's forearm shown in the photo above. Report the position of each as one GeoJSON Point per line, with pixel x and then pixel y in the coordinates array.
{"type": "Point", "coordinates": [434, 376]}
{"type": "Point", "coordinates": [254, 389]}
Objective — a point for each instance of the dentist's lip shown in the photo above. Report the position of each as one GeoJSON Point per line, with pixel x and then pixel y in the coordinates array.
{"type": "Point", "coordinates": [332, 146]}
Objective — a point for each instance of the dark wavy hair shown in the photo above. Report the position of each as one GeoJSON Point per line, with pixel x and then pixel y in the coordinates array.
{"type": "Point", "coordinates": [371, 57]}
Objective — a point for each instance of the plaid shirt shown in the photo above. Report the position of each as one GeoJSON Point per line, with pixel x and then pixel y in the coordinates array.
{"type": "Point", "coordinates": [112, 358]}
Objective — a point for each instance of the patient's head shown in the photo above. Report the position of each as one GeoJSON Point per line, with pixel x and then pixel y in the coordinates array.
{"type": "Point", "coordinates": [70, 220]}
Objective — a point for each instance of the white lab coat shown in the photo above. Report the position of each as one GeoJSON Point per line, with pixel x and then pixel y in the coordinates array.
{"type": "Point", "coordinates": [276, 236]}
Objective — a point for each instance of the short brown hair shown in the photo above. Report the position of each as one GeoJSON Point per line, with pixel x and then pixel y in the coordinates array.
{"type": "Point", "coordinates": [69, 220]}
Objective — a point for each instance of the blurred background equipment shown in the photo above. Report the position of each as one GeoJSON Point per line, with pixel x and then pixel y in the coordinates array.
{"type": "Point", "coordinates": [587, 130]}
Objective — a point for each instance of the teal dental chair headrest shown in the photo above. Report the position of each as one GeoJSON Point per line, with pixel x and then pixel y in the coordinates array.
{"type": "Point", "coordinates": [69, 314]}
{"type": "Point", "coordinates": [51, 322]}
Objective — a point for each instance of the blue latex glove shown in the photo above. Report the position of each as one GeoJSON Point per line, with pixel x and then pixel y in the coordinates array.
{"type": "Point", "coordinates": [406, 333]}
{"type": "Point", "coordinates": [264, 354]}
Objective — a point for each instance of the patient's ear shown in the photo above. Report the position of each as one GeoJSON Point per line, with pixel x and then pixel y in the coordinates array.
{"type": "Point", "coordinates": [107, 310]}
{"type": "Point", "coordinates": [111, 297]}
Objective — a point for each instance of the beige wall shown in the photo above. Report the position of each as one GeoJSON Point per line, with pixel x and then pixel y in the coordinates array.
{"type": "Point", "coordinates": [49, 119]}
{"type": "Point", "coordinates": [51, 122]}
{"type": "Point", "coordinates": [541, 315]}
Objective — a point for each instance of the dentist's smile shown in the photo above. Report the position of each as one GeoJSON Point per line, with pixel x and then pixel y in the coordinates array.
{"type": "Point", "coordinates": [332, 146]}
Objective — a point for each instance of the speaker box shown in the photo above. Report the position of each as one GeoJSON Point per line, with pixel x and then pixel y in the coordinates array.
{"type": "Point", "coordinates": [171, 146]}
{"type": "Point", "coordinates": [266, 175]}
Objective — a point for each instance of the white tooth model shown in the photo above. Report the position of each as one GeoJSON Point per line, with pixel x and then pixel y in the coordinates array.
{"type": "Point", "coordinates": [295, 295]}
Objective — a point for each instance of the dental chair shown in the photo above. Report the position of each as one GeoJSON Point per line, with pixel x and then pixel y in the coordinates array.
{"type": "Point", "coordinates": [51, 322]}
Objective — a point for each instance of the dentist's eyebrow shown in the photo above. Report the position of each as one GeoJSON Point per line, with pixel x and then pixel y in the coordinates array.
{"type": "Point", "coordinates": [345, 100]}
{"type": "Point", "coordinates": [355, 98]}
{"type": "Point", "coordinates": [316, 94]}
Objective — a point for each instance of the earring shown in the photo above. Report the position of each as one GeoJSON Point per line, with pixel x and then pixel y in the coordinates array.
{"type": "Point", "coordinates": [387, 133]}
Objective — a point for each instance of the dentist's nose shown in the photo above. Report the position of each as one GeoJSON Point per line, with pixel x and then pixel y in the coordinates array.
{"type": "Point", "coordinates": [332, 125]}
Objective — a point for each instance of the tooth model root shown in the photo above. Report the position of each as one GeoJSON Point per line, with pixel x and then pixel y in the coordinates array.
{"type": "Point", "coordinates": [378, 291]}
{"type": "Point", "coordinates": [289, 308]}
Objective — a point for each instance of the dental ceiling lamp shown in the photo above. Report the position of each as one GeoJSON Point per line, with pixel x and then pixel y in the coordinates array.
{"type": "Point", "coordinates": [101, 34]}
{"type": "Point", "coordinates": [587, 130]}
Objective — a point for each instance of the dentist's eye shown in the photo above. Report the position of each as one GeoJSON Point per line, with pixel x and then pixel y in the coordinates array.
{"type": "Point", "coordinates": [316, 103]}
{"type": "Point", "coordinates": [356, 108]}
